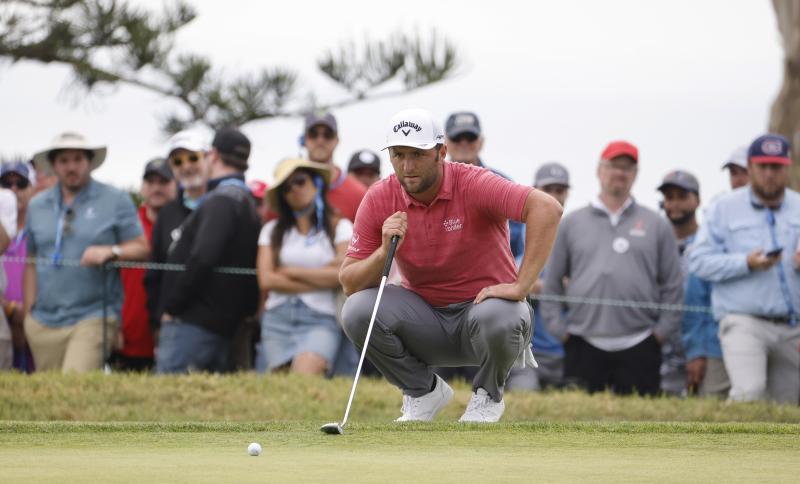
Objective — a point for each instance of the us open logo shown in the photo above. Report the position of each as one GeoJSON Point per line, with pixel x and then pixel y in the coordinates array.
{"type": "Point", "coordinates": [772, 147]}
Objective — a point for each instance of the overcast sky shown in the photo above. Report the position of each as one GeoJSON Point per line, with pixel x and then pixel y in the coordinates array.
{"type": "Point", "coordinates": [687, 81]}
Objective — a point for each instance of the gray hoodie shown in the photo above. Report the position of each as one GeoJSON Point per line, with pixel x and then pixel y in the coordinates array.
{"type": "Point", "coordinates": [636, 260]}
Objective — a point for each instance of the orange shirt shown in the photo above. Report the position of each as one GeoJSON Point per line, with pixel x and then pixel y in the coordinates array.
{"type": "Point", "coordinates": [345, 194]}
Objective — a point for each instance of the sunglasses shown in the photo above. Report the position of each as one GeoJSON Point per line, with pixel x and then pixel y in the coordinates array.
{"type": "Point", "coordinates": [21, 184]}
{"type": "Point", "coordinates": [320, 133]}
{"type": "Point", "coordinates": [178, 160]}
{"type": "Point", "coordinates": [294, 181]}
{"type": "Point", "coordinates": [468, 137]}
{"type": "Point", "coordinates": [69, 216]}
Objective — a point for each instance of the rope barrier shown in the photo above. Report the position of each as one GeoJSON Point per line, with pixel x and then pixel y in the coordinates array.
{"type": "Point", "coordinates": [249, 271]}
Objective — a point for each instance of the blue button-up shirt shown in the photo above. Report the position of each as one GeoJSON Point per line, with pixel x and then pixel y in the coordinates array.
{"type": "Point", "coordinates": [100, 215]}
{"type": "Point", "coordinates": [737, 225]}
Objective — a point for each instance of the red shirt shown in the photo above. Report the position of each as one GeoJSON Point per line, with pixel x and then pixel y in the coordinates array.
{"type": "Point", "coordinates": [455, 246]}
{"type": "Point", "coordinates": [137, 340]}
{"type": "Point", "coordinates": [345, 194]}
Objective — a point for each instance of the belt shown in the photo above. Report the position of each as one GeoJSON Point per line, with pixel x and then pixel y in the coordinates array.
{"type": "Point", "coordinates": [774, 319]}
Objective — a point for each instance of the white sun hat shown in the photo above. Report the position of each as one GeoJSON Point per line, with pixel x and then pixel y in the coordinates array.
{"type": "Point", "coordinates": [415, 128]}
{"type": "Point", "coordinates": [69, 141]}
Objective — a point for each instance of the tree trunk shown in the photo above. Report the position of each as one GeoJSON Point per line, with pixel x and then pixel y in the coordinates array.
{"type": "Point", "coordinates": [785, 114]}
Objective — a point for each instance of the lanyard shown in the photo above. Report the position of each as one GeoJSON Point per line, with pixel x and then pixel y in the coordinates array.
{"type": "Point", "coordinates": [787, 295]}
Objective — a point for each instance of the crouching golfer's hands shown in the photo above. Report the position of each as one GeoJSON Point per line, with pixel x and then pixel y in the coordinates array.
{"type": "Point", "coordinates": [397, 224]}
{"type": "Point", "coordinates": [512, 292]}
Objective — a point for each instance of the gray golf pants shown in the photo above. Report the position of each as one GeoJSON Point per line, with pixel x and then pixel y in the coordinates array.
{"type": "Point", "coordinates": [410, 337]}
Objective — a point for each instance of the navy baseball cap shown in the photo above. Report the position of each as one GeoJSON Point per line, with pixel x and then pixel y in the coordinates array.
{"type": "Point", "coordinates": [159, 167]}
{"type": "Point", "coordinates": [551, 174]}
{"type": "Point", "coordinates": [19, 167]}
{"type": "Point", "coordinates": [770, 148]}
{"type": "Point", "coordinates": [321, 119]}
{"type": "Point", "coordinates": [364, 159]}
{"type": "Point", "coordinates": [680, 179]}
{"type": "Point", "coordinates": [460, 123]}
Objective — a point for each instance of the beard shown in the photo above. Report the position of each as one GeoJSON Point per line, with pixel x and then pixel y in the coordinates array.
{"type": "Point", "coordinates": [768, 195]}
{"type": "Point", "coordinates": [194, 181]}
{"type": "Point", "coordinates": [681, 218]}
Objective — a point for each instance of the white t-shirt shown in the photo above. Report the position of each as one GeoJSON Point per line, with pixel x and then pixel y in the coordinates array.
{"type": "Point", "coordinates": [312, 252]}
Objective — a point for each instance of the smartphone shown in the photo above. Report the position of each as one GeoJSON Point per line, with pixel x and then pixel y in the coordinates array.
{"type": "Point", "coordinates": [774, 252]}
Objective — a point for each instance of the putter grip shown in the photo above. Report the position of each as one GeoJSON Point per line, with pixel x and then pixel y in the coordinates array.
{"type": "Point", "coordinates": [392, 247]}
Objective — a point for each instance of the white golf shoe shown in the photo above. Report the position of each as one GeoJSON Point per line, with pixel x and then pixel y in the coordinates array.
{"type": "Point", "coordinates": [424, 408]}
{"type": "Point", "coordinates": [481, 408]}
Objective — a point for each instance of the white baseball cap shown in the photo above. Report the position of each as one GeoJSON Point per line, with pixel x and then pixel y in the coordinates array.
{"type": "Point", "coordinates": [189, 139]}
{"type": "Point", "coordinates": [737, 158]}
{"type": "Point", "coordinates": [415, 128]}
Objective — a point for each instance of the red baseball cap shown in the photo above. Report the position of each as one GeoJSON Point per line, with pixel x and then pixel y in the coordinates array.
{"type": "Point", "coordinates": [620, 148]}
{"type": "Point", "coordinates": [257, 188]}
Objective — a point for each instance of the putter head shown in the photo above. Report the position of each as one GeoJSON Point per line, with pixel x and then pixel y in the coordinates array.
{"type": "Point", "coordinates": [332, 428]}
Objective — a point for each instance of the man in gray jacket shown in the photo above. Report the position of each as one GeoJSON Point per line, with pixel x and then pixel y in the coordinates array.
{"type": "Point", "coordinates": [614, 249]}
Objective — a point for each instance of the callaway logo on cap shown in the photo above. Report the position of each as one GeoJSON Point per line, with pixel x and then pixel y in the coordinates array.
{"type": "Point", "coordinates": [415, 128]}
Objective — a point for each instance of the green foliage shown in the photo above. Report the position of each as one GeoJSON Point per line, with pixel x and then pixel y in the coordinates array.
{"type": "Point", "coordinates": [108, 42]}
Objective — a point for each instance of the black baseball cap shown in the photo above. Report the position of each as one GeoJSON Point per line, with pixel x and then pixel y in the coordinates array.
{"type": "Point", "coordinates": [364, 159]}
{"type": "Point", "coordinates": [158, 166]}
{"type": "Point", "coordinates": [462, 122]}
{"type": "Point", "coordinates": [680, 179]}
{"type": "Point", "coordinates": [321, 118]}
{"type": "Point", "coordinates": [233, 146]}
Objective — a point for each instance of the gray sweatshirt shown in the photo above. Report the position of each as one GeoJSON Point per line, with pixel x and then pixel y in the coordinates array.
{"type": "Point", "coordinates": [635, 260]}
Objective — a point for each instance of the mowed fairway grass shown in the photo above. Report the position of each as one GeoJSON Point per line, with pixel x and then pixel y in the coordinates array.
{"type": "Point", "coordinates": [130, 428]}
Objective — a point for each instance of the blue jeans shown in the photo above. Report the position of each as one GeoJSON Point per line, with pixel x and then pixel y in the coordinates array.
{"type": "Point", "coordinates": [184, 347]}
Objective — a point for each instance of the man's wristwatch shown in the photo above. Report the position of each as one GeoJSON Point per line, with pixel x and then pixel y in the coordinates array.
{"type": "Point", "coordinates": [116, 252]}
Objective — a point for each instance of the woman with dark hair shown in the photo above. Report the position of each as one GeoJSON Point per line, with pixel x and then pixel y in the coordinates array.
{"type": "Point", "coordinates": [298, 263]}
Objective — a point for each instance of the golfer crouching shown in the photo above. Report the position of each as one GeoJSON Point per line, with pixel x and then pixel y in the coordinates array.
{"type": "Point", "coordinates": [462, 302]}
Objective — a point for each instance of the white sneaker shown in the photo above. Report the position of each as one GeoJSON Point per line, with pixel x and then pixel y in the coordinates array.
{"type": "Point", "coordinates": [481, 408]}
{"type": "Point", "coordinates": [424, 408]}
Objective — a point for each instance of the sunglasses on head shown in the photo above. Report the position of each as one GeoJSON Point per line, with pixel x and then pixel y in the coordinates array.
{"type": "Point", "coordinates": [21, 183]}
{"type": "Point", "coordinates": [320, 133]}
{"type": "Point", "coordinates": [294, 181]}
{"type": "Point", "coordinates": [178, 160]}
{"type": "Point", "coordinates": [469, 137]}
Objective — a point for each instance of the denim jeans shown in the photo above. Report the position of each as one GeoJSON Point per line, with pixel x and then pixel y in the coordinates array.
{"type": "Point", "coordinates": [184, 347]}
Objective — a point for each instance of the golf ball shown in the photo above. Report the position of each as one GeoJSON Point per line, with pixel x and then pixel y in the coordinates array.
{"type": "Point", "coordinates": [254, 448]}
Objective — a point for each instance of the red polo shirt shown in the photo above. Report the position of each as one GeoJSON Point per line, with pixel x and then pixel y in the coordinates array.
{"type": "Point", "coordinates": [137, 339]}
{"type": "Point", "coordinates": [455, 246]}
{"type": "Point", "coordinates": [345, 193]}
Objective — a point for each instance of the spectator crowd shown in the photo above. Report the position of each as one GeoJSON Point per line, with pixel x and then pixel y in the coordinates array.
{"type": "Point", "coordinates": [631, 299]}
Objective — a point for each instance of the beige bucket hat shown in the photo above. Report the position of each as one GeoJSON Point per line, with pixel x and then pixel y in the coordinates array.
{"type": "Point", "coordinates": [68, 141]}
{"type": "Point", "coordinates": [286, 167]}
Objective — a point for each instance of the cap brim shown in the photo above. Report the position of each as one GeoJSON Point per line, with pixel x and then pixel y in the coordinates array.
{"type": "Point", "coordinates": [424, 146]}
{"type": "Point", "coordinates": [621, 152]}
{"type": "Point", "coordinates": [778, 160]}
{"type": "Point", "coordinates": [463, 129]}
{"type": "Point", "coordinates": [677, 185]}
{"type": "Point", "coordinates": [549, 181]}
{"type": "Point", "coordinates": [41, 162]}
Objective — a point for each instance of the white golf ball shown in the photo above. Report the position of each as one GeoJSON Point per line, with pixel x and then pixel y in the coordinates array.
{"type": "Point", "coordinates": [254, 449]}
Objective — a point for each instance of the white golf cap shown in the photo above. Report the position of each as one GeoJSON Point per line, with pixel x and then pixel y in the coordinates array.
{"type": "Point", "coordinates": [415, 128]}
{"type": "Point", "coordinates": [737, 158]}
{"type": "Point", "coordinates": [189, 139]}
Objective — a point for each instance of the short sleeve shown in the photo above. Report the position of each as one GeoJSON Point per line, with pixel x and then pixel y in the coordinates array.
{"type": "Point", "coordinates": [497, 197]}
{"type": "Point", "coordinates": [8, 212]}
{"type": "Point", "coordinates": [265, 237]}
{"type": "Point", "coordinates": [344, 231]}
{"type": "Point", "coordinates": [129, 226]}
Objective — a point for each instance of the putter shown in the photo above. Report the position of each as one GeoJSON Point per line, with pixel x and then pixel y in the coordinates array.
{"type": "Point", "coordinates": [336, 428]}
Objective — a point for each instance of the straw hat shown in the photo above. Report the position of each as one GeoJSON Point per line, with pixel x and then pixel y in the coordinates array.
{"type": "Point", "coordinates": [69, 141]}
{"type": "Point", "coordinates": [288, 166]}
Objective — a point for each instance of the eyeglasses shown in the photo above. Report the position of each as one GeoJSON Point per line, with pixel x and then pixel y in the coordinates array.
{"type": "Point", "coordinates": [294, 181]}
{"type": "Point", "coordinates": [468, 137]}
{"type": "Point", "coordinates": [178, 160]}
{"type": "Point", "coordinates": [21, 183]}
{"type": "Point", "coordinates": [326, 133]}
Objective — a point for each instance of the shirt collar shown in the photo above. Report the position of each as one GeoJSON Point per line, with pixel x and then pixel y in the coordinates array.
{"type": "Point", "coordinates": [598, 204]}
{"type": "Point", "coordinates": [86, 192]}
{"type": "Point", "coordinates": [212, 184]}
{"type": "Point", "coordinates": [445, 191]}
{"type": "Point", "coordinates": [756, 203]}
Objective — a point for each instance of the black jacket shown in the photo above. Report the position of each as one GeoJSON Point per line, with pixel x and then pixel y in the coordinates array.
{"type": "Point", "coordinates": [170, 217]}
{"type": "Point", "coordinates": [222, 232]}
